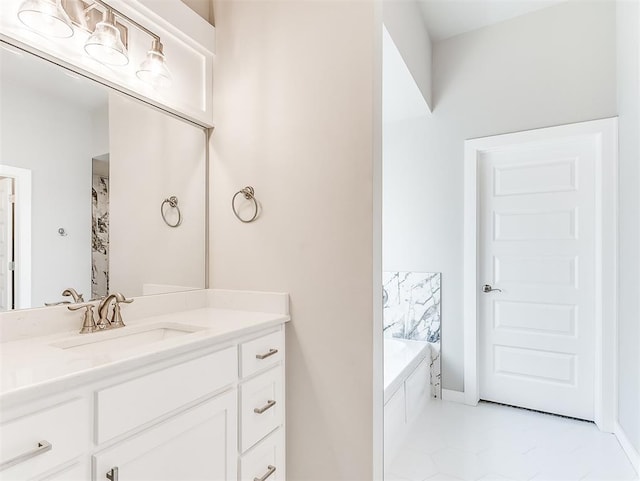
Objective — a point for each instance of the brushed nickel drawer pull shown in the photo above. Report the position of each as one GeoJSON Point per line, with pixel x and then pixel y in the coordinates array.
{"type": "Point", "coordinates": [271, 470]}
{"type": "Point", "coordinates": [267, 406]}
{"type": "Point", "coordinates": [112, 474]}
{"type": "Point", "coordinates": [43, 447]}
{"type": "Point", "coordinates": [270, 353]}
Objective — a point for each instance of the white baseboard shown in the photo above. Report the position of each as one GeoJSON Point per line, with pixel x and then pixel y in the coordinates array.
{"type": "Point", "coordinates": [453, 396]}
{"type": "Point", "coordinates": [628, 448]}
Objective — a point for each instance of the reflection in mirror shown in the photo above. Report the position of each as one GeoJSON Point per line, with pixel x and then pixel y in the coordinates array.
{"type": "Point", "coordinates": [84, 171]}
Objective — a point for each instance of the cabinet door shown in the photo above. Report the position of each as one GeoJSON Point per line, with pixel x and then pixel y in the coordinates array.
{"type": "Point", "coordinates": [196, 445]}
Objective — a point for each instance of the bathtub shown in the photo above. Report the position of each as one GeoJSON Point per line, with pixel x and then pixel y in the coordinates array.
{"type": "Point", "coordinates": [407, 389]}
{"type": "Point", "coordinates": [401, 358]}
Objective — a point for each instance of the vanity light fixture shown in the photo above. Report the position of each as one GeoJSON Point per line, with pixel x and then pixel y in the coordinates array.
{"type": "Point", "coordinates": [46, 17]}
{"type": "Point", "coordinates": [153, 69]}
{"type": "Point", "coordinates": [105, 44]}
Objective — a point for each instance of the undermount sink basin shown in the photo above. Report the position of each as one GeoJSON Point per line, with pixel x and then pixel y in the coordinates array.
{"type": "Point", "coordinates": [124, 339]}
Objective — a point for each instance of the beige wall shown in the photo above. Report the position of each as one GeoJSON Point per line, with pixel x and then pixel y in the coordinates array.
{"type": "Point", "coordinates": [154, 156]}
{"type": "Point", "coordinates": [296, 96]}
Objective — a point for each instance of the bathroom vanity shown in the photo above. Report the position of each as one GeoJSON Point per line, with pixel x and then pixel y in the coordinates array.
{"type": "Point", "coordinates": [112, 197]}
{"type": "Point", "coordinates": [180, 394]}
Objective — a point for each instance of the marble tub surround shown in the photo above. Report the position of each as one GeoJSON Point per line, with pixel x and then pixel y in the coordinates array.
{"type": "Point", "coordinates": [412, 305]}
{"type": "Point", "coordinates": [99, 236]}
{"type": "Point", "coordinates": [411, 311]}
{"type": "Point", "coordinates": [31, 361]}
{"type": "Point", "coordinates": [435, 370]}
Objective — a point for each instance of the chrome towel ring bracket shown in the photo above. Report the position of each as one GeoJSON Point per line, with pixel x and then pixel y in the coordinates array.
{"type": "Point", "coordinates": [173, 203]}
{"type": "Point", "coordinates": [248, 194]}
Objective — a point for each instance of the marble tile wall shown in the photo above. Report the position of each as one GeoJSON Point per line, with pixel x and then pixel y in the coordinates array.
{"type": "Point", "coordinates": [99, 236]}
{"type": "Point", "coordinates": [411, 310]}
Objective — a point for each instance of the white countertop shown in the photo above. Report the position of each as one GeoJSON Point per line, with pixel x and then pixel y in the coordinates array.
{"type": "Point", "coordinates": [34, 365]}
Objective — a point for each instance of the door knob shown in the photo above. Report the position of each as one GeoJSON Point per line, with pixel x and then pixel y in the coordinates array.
{"type": "Point", "coordinates": [487, 288]}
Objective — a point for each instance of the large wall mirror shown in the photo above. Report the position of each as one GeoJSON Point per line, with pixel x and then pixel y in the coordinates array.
{"type": "Point", "coordinates": [84, 175]}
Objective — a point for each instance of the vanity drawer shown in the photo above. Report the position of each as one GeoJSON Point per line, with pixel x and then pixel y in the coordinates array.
{"type": "Point", "coordinates": [267, 458]}
{"type": "Point", "coordinates": [66, 427]}
{"type": "Point", "coordinates": [261, 353]}
{"type": "Point", "coordinates": [125, 406]}
{"type": "Point", "coordinates": [261, 406]}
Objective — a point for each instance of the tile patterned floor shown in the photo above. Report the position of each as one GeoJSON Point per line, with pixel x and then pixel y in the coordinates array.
{"type": "Point", "coordinates": [453, 442]}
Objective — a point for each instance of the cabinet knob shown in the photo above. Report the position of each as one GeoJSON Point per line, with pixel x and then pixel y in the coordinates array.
{"type": "Point", "coordinates": [112, 474]}
{"type": "Point", "coordinates": [270, 471]}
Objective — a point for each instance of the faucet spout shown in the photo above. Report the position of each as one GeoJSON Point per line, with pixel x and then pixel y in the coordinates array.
{"type": "Point", "coordinates": [103, 311]}
{"type": "Point", "coordinates": [77, 298]}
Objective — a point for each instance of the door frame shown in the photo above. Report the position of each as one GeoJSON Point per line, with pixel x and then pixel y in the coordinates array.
{"type": "Point", "coordinates": [606, 242]}
{"type": "Point", "coordinates": [22, 233]}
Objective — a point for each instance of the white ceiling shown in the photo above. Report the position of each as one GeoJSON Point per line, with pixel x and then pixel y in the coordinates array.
{"type": "Point", "coordinates": [447, 18]}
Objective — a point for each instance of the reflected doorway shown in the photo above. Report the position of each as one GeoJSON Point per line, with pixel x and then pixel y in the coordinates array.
{"type": "Point", "coordinates": [15, 238]}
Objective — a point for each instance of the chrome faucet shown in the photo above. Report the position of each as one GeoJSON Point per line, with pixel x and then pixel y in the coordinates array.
{"type": "Point", "coordinates": [116, 317]}
{"type": "Point", "coordinates": [69, 292]}
{"type": "Point", "coordinates": [103, 322]}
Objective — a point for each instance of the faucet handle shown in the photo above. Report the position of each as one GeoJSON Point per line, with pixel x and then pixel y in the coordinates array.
{"type": "Point", "coordinates": [116, 319]}
{"type": "Point", "coordinates": [88, 322]}
{"type": "Point", "coordinates": [84, 305]}
{"type": "Point", "coordinates": [71, 292]}
{"type": "Point", "coordinates": [121, 298]}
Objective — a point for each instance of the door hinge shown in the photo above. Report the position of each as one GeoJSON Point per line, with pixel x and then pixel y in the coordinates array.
{"type": "Point", "coordinates": [12, 266]}
{"type": "Point", "coordinates": [12, 198]}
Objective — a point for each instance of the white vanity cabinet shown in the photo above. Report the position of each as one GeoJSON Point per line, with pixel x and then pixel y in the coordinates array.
{"type": "Point", "coordinates": [213, 414]}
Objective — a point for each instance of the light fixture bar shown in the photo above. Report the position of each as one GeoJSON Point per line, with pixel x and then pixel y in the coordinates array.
{"type": "Point", "coordinates": [86, 14]}
{"type": "Point", "coordinates": [118, 13]}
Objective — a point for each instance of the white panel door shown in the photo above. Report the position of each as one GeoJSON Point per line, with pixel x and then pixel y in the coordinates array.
{"type": "Point", "coordinates": [536, 225]}
{"type": "Point", "coordinates": [6, 243]}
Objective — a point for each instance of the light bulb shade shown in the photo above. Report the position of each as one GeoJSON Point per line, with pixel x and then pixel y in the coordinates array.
{"type": "Point", "coordinates": [153, 70]}
{"type": "Point", "coordinates": [105, 44]}
{"type": "Point", "coordinates": [46, 17]}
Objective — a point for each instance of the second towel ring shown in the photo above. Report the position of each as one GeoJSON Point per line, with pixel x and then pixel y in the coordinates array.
{"type": "Point", "coordinates": [248, 194]}
{"type": "Point", "coordinates": [173, 202]}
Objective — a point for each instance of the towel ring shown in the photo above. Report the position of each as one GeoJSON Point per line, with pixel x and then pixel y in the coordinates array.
{"type": "Point", "coordinates": [248, 194]}
{"type": "Point", "coordinates": [173, 202]}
